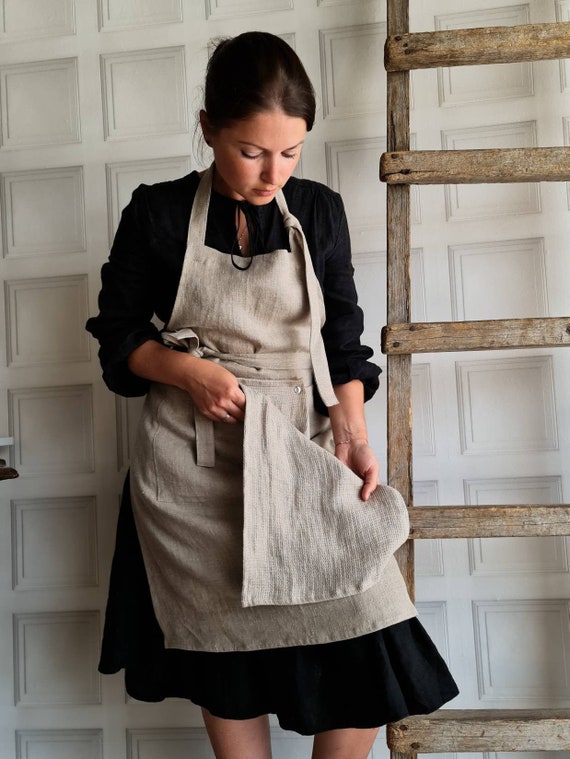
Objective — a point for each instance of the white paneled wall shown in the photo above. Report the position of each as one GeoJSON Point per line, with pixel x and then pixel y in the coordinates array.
{"type": "Point", "coordinates": [98, 96]}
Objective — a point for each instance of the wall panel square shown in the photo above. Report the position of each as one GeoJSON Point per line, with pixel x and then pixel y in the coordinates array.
{"type": "Point", "coordinates": [235, 8]}
{"type": "Point", "coordinates": [168, 743]}
{"type": "Point", "coordinates": [55, 658]}
{"type": "Point", "coordinates": [45, 320]}
{"type": "Point", "coordinates": [144, 93]}
{"type": "Point", "coordinates": [510, 273]}
{"type": "Point", "coordinates": [507, 405]}
{"type": "Point", "coordinates": [43, 212]}
{"type": "Point", "coordinates": [59, 744]}
{"type": "Point", "coordinates": [132, 14]}
{"type": "Point", "coordinates": [52, 428]}
{"type": "Point", "coordinates": [351, 57]}
{"type": "Point", "coordinates": [40, 103]}
{"type": "Point", "coordinates": [54, 543]}
{"type": "Point", "coordinates": [23, 19]}
{"type": "Point", "coordinates": [523, 652]}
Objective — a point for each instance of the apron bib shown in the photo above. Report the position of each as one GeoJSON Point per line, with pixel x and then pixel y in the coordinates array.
{"type": "Point", "coordinates": [254, 535]}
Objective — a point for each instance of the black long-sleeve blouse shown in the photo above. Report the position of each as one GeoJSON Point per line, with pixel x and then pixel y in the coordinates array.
{"type": "Point", "coordinates": [141, 277]}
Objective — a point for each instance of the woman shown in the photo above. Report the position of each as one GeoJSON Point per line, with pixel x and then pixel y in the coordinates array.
{"type": "Point", "coordinates": [249, 268]}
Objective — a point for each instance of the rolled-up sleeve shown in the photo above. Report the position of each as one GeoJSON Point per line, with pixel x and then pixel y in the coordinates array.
{"type": "Point", "coordinates": [125, 301]}
{"type": "Point", "coordinates": [348, 358]}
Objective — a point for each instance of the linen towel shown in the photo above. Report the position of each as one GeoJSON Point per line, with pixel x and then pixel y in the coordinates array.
{"type": "Point", "coordinates": [308, 536]}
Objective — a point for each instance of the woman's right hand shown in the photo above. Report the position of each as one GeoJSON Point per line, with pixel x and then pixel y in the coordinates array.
{"type": "Point", "coordinates": [214, 390]}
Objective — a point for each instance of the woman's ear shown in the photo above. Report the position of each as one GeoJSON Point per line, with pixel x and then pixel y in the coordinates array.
{"type": "Point", "coordinates": [205, 126]}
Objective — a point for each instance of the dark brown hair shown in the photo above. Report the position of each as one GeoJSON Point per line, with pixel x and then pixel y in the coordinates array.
{"type": "Point", "coordinates": [256, 72]}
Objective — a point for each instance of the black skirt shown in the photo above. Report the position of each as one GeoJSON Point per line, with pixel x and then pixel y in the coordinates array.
{"type": "Point", "coordinates": [362, 682]}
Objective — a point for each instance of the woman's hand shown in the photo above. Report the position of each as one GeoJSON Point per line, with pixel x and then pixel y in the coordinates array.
{"type": "Point", "coordinates": [359, 457]}
{"type": "Point", "coordinates": [215, 391]}
{"type": "Point", "coordinates": [349, 431]}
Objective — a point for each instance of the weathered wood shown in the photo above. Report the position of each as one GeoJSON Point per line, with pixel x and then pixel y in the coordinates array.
{"type": "Point", "coordinates": [399, 422]}
{"type": "Point", "coordinates": [468, 47]}
{"type": "Point", "coordinates": [398, 112]}
{"type": "Point", "coordinates": [428, 522]}
{"type": "Point", "coordinates": [454, 731]}
{"type": "Point", "coordinates": [398, 16]}
{"type": "Point", "coordinates": [399, 464]}
{"type": "Point", "coordinates": [482, 730]}
{"type": "Point", "coordinates": [495, 334]}
{"type": "Point", "coordinates": [476, 166]}
{"type": "Point", "coordinates": [399, 370]}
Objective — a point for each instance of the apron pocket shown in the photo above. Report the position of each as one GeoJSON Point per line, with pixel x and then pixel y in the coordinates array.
{"type": "Point", "coordinates": [293, 399]}
{"type": "Point", "coordinates": [178, 476]}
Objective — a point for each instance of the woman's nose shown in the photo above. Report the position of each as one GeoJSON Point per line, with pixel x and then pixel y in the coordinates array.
{"type": "Point", "coordinates": [270, 172]}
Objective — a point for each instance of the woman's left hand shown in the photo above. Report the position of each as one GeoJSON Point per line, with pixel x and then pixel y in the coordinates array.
{"type": "Point", "coordinates": [359, 456]}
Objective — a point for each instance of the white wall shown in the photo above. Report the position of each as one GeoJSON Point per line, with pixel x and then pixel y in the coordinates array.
{"type": "Point", "coordinates": [98, 96]}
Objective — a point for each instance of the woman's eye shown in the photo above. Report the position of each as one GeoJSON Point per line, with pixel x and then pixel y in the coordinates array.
{"type": "Point", "coordinates": [289, 155]}
{"type": "Point", "coordinates": [251, 156]}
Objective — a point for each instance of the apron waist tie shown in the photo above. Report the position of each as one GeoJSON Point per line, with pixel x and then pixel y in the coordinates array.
{"type": "Point", "coordinates": [295, 364]}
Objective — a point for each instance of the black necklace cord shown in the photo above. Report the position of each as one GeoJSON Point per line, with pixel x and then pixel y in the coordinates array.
{"type": "Point", "coordinates": [254, 236]}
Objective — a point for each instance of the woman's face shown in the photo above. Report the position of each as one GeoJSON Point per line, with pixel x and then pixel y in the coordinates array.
{"type": "Point", "coordinates": [255, 156]}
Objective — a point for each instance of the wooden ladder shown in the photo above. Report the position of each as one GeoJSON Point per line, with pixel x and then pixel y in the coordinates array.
{"type": "Point", "coordinates": [460, 730]}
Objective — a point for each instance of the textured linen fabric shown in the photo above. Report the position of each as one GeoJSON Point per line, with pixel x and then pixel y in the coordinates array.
{"type": "Point", "coordinates": [190, 517]}
{"type": "Point", "coordinates": [308, 536]}
{"type": "Point", "coordinates": [142, 274]}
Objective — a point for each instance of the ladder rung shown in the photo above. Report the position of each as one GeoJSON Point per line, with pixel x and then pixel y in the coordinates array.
{"type": "Point", "coordinates": [481, 730]}
{"type": "Point", "coordinates": [428, 522]}
{"type": "Point", "coordinates": [496, 334]}
{"type": "Point", "coordinates": [468, 47]}
{"type": "Point", "coordinates": [476, 166]}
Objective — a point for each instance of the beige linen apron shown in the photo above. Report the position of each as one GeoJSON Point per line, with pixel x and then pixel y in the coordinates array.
{"type": "Point", "coordinates": [254, 535]}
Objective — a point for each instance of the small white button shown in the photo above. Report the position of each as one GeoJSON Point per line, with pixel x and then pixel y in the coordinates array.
{"type": "Point", "coordinates": [297, 389]}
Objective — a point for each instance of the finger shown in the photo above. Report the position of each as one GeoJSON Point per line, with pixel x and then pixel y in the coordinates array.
{"type": "Point", "coordinates": [238, 412]}
{"type": "Point", "coordinates": [235, 412]}
{"type": "Point", "coordinates": [239, 399]}
{"type": "Point", "coordinates": [370, 485]}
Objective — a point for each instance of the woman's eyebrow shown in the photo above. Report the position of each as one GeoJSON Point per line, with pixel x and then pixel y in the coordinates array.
{"type": "Point", "coordinates": [253, 145]}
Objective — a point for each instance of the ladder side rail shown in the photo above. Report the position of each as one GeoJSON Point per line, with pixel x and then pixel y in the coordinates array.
{"type": "Point", "coordinates": [485, 45]}
{"type": "Point", "coordinates": [399, 371]}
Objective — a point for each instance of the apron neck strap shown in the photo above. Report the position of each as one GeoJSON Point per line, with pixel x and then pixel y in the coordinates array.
{"type": "Point", "coordinates": [319, 360]}
{"type": "Point", "coordinates": [199, 214]}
